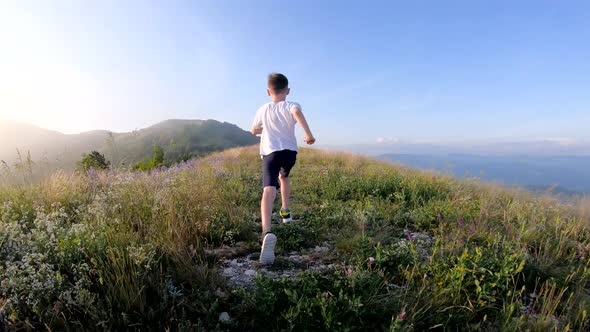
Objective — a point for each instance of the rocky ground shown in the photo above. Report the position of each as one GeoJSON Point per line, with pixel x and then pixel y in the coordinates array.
{"type": "Point", "coordinates": [240, 264]}
{"type": "Point", "coordinates": [242, 271]}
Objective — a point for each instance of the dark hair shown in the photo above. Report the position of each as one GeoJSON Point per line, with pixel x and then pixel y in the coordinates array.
{"type": "Point", "coordinates": [277, 82]}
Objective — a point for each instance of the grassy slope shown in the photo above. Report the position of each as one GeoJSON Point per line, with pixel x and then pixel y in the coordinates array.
{"type": "Point", "coordinates": [127, 250]}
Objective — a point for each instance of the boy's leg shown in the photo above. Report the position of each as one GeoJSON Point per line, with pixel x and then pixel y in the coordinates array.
{"type": "Point", "coordinates": [268, 197]}
{"type": "Point", "coordinates": [269, 240]}
{"type": "Point", "coordinates": [270, 182]}
{"type": "Point", "coordinates": [285, 191]}
{"type": "Point", "coordinates": [287, 162]}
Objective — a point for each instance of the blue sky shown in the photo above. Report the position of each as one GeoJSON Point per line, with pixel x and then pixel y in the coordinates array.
{"type": "Point", "coordinates": [420, 71]}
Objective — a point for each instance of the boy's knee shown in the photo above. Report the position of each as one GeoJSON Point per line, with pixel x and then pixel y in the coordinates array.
{"type": "Point", "coordinates": [269, 190]}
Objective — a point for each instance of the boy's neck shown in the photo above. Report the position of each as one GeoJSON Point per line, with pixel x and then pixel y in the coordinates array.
{"type": "Point", "coordinates": [276, 99]}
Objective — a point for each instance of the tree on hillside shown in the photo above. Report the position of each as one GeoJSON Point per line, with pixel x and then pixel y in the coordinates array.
{"type": "Point", "coordinates": [113, 149]}
{"type": "Point", "coordinates": [94, 160]}
{"type": "Point", "coordinates": [157, 156]}
{"type": "Point", "coordinates": [156, 161]}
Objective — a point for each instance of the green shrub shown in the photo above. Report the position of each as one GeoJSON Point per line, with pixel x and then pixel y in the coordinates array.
{"type": "Point", "coordinates": [93, 160]}
{"type": "Point", "coordinates": [333, 302]}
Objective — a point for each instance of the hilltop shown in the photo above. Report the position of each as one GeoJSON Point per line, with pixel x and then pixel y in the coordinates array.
{"type": "Point", "coordinates": [375, 247]}
{"type": "Point", "coordinates": [179, 138]}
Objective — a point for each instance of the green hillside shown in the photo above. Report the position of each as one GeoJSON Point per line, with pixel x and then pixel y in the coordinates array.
{"type": "Point", "coordinates": [179, 138]}
{"type": "Point", "coordinates": [375, 247]}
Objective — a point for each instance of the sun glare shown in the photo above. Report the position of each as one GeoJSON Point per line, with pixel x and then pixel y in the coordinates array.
{"type": "Point", "coordinates": [37, 85]}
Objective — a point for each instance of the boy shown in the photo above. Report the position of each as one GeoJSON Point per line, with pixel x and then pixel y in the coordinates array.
{"type": "Point", "coordinates": [275, 121]}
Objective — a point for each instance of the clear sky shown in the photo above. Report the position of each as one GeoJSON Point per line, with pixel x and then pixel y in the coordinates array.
{"type": "Point", "coordinates": [427, 71]}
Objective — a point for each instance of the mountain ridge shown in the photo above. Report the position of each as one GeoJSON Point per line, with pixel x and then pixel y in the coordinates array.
{"type": "Point", "coordinates": [180, 138]}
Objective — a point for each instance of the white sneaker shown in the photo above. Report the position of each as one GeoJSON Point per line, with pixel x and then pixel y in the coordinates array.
{"type": "Point", "coordinates": [267, 254]}
{"type": "Point", "coordinates": [286, 215]}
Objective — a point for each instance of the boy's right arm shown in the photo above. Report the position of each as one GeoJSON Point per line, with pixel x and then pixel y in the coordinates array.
{"type": "Point", "coordinates": [300, 118]}
{"type": "Point", "coordinates": [257, 125]}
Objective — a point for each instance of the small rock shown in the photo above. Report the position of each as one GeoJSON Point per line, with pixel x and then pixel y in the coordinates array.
{"type": "Point", "coordinates": [224, 317]}
{"type": "Point", "coordinates": [331, 266]}
{"type": "Point", "coordinates": [229, 271]}
{"type": "Point", "coordinates": [321, 249]}
{"type": "Point", "coordinates": [371, 259]}
{"type": "Point", "coordinates": [249, 272]}
{"type": "Point", "coordinates": [234, 262]}
{"type": "Point", "coordinates": [220, 293]}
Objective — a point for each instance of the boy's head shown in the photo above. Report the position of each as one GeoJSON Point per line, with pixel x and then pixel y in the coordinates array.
{"type": "Point", "coordinates": [278, 85]}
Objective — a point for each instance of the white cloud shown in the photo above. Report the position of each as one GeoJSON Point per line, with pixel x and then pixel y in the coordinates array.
{"type": "Point", "coordinates": [388, 140]}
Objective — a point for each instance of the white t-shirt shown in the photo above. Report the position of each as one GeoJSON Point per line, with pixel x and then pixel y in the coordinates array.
{"type": "Point", "coordinates": [278, 127]}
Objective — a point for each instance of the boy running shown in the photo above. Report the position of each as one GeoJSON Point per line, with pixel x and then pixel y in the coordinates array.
{"type": "Point", "coordinates": [275, 121]}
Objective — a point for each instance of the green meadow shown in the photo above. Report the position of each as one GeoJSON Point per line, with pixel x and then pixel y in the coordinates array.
{"type": "Point", "coordinates": [406, 250]}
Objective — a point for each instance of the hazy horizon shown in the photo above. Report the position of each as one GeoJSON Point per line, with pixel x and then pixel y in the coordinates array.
{"type": "Point", "coordinates": [388, 145]}
{"type": "Point", "coordinates": [453, 72]}
{"type": "Point", "coordinates": [536, 165]}
{"type": "Point", "coordinates": [500, 147]}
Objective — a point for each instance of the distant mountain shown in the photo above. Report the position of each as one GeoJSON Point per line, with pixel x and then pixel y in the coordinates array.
{"type": "Point", "coordinates": [47, 146]}
{"type": "Point", "coordinates": [566, 174]}
{"type": "Point", "coordinates": [179, 138]}
{"type": "Point", "coordinates": [549, 148]}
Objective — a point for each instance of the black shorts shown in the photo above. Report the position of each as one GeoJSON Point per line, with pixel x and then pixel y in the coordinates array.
{"type": "Point", "coordinates": [278, 162]}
